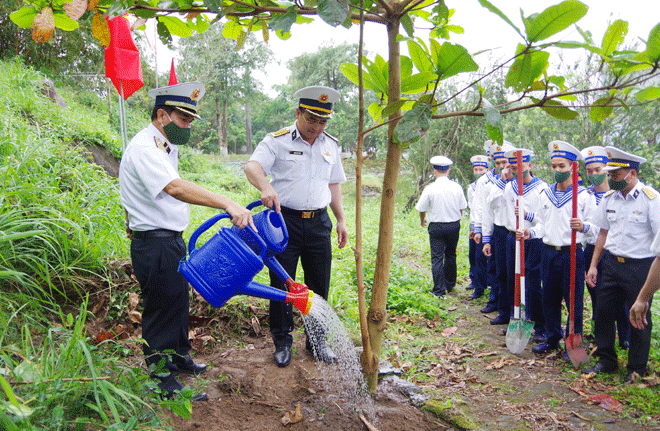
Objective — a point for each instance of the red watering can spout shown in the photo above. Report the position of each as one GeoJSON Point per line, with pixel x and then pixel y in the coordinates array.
{"type": "Point", "coordinates": [302, 300]}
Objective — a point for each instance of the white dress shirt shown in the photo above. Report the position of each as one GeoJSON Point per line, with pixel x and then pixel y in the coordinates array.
{"type": "Point", "coordinates": [442, 200]}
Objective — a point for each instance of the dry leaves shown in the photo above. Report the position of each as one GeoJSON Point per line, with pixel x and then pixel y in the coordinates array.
{"type": "Point", "coordinates": [449, 331]}
{"type": "Point", "coordinates": [100, 29]}
{"type": "Point", "coordinates": [603, 400]}
{"type": "Point", "coordinates": [293, 416]}
{"type": "Point", "coordinates": [75, 9]}
{"type": "Point", "coordinates": [43, 25]}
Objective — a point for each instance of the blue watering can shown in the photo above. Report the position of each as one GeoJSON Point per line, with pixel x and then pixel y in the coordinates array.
{"type": "Point", "coordinates": [225, 266]}
{"type": "Point", "coordinates": [272, 230]}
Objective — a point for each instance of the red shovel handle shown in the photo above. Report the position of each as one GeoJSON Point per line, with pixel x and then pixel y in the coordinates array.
{"type": "Point", "coordinates": [571, 322]}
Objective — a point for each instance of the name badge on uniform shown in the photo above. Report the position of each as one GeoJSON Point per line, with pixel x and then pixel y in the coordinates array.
{"type": "Point", "coordinates": [296, 153]}
{"type": "Point", "coordinates": [610, 211]}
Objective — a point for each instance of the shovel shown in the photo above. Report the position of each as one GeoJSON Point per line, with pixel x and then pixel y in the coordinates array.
{"type": "Point", "coordinates": [520, 330]}
{"type": "Point", "coordinates": [574, 347]}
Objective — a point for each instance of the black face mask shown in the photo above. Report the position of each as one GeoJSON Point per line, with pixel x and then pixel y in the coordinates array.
{"type": "Point", "coordinates": [175, 134]}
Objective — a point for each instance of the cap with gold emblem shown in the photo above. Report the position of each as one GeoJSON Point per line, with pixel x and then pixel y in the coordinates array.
{"type": "Point", "coordinates": [620, 159]}
{"type": "Point", "coordinates": [317, 99]}
{"type": "Point", "coordinates": [497, 150]}
{"type": "Point", "coordinates": [479, 161]}
{"type": "Point", "coordinates": [565, 150]}
{"type": "Point", "coordinates": [595, 154]}
{"type": "Point", "coordinates": [183, 97]}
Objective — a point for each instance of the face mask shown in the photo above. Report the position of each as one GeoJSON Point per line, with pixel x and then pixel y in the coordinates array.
{"type": "Point", "coordinates": [597, 179]}
{"type": "Point", "coordinates": [477, 176]}
{"type": "Point", "coordinates": [560, 177]}
{"type": "Point", "coordinates": [525, 173]}
{"type": "Point", "coordinates": [175, 134]}
{"type": "Point", "coordinates": [620, 184]}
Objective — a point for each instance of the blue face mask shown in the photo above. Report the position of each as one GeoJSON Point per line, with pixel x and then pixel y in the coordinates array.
{"type": "Point", "coordinates": [175, 134]}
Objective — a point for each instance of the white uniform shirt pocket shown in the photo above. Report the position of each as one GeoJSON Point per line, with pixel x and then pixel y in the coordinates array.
{"type": "Point", "coordinates": [294, 164]}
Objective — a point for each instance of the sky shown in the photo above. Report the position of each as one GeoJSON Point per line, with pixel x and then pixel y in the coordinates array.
{"type": "Point", "coordinates": [483, 30]}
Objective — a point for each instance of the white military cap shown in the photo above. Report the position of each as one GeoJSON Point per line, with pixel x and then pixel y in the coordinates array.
{"type": "Point", "coordinates": [497, 151]}
{"type": "Point", "coordinates": [512, 155]}
{"type": "Point", "coordinates": [183, 97]}
{"type": "Point", "coordinates": [565, 150]}
{"type": "Point", "coordinates": [317, 99]}
{"type": "Point", "coordinates": [595, 154]}
{"type": "Point", "coordinates": [479, 161]}
{"type": "Point", "coordinates": [487, 145]}
{"type": "Point", "coordinates": [441, 163]}
{"type": "Point", "coordinates": [620, 159]}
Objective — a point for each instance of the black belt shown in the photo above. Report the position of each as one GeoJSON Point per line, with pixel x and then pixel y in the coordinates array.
{"type": "Point", "coordinates": [562, 247]}
{"type": "Point", "coordinates": [622, 259]}
{"type": "Point", "coordinates": [304, 214]}
{"type": "Point", "coordinates": [156, 233]}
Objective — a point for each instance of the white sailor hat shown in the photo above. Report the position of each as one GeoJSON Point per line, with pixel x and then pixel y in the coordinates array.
{"type": "Point", "coordinates": [497, 151]}
{"type": "Point", "coordinates": [620, 159]}
{"type": "Point", "coordinates": [565, 150]}
{"type": "Point", "coordinates": [317, 99]}
{"type": "Point", "coordinates": [595, 154]}
{"type": "Point", "coordinates": [441, 163]}
{"type": "Point", "coordinates": [487, 145]}
{"type": "Point", "coordinates": [183, 97]}
{"type": "Point", "coordinates": [479, 161]}
{"type": "Point", "coordinates": [512, 155]}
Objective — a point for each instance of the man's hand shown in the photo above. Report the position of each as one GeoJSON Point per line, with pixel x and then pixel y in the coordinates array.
{"type": "Point", "coordinates": [487, 250]}
{"type": "Point", "coordinates": [638, 314]}
{"type": "Point", "coordinates": [591, 276]}
{"type": "Point", "coordinates": [523, 234]}
{"type": "Point", "coordinates": [477, 238]}
{"type": "Point", "coordinates": [577, 225]}
{"type": "Point", "coordinates": [423, 223]}
{"type": "Point", "coordinates": [342, 234]}
{"type": "Point", "coordinates": [507, 174]}
{"type": "Point", "coordinates": [240, 216]}
{"type": "Point", "coordinates": [270, 198]}
{"type": "Point", "coordinates": [471, 235]}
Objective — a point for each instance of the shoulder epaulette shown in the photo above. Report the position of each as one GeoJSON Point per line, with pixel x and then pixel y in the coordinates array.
{"type": "Point", "coordinates": [330, 136]}
{"type": "Point", "coordinates": [649, 192]}
{"type": "Point", "coordinates": [162, 145]}
{"type": "Point", "coordinates": [280, 132]}
{"type": "Point", "coordinates": [608, 193]}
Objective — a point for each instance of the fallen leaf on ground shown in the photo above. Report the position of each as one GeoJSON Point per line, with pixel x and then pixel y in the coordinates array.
{"type": "Point", "coordinates": [135, 316]}
{"type": "Point", "coordinates": [293, 416]}
{"type": "Point", "coordinates": [452, 308]}
{"type": "Point", "coordinates": [607, 402]}
{"type": "Point", "coordinates": [449, 331]}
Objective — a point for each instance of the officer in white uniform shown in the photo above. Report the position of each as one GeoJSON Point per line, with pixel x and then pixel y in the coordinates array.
{"type": "Point", "coordinates": [444, 201]}
{"type": "Point", "coordinates": [306, 175]}
{"type": "Point", "coordinates": [156, 202]}
{"type": "Point", "coordinates": [595, 159]}
{"type": "Point", "coordinates": [532, 189]}
{"type": "Point", "coordinates": [629, 220]}
{"type": "Point", "coordinates": [554, 223]}
{"type": "Point", "coordinates": [478, 269]}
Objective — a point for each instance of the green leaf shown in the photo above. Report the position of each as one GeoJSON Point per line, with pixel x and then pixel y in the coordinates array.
{"type": "Point", "coordinates": [495, 133]}
{"type": "Point", "coordinates": [614, 36]}
{"type": "Point", "coordinates": [379, 74]}
{"type": "Point", "coordinates": [63, 22]}
{"type": "Point", "coordinates": [579, 45]}
{"type": "Point", "coordinates": [214, 6]}
{"type": "Point", "coordinates": [417, 83]}
{"type": "Point", "coordinates": [407, 23]}
{"type": "Point", "coordinates": [491, 114]}
{"type": "Point", "coordinates": [232, 30]}
{"type": "Point", "coordinates": [526, 69]}
{"type": "Point", "coordinates": [599, 113]}
{"type": "Point", "coordinates": [24, 16]}
{"type": "Point", "coordinates": [176, 26]}
{"type": "Point", "coordinates": [350, 71]}
{"type": "Point", "coordinates": [334, 12]}
{"type": "Point", "coordinates": [453, 59]}
{"type": "Point", "coordinates": [653, 45]}
{"type": "Point", "coordinates": [419, 56]}
{"type": "Point", "coordinates": [163, 33]}
{"type": "Point", "coordinates": [375, 110]}
{"type": "Point", "coordinates": [392, 108]}
{"type": "Point", "coordinates": [282, 23]}
{"type": "Point", "coordinates": [413, 124]}
{"type": "Point", "coordinates": [554, 19]}
{"type": "Point", "coordinates": [496, 11]}
{"type": "Point", "coordinates": [649, 93]}
{"type": "Point", "coordinates": [557, 110]}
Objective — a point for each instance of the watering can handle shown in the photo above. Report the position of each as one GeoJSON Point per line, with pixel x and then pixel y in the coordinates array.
{"type": "Point", "coordinates": [213, 220]}
{"type": "Point", "coordinates": [253, 205]}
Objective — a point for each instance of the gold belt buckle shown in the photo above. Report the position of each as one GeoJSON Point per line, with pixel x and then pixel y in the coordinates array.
{"type": "Point", "coordinates": [308, 214]}
{"type": "Point", "coordinates": [621, 259]}
{"type": "Point", "coordinates": [558, 247]}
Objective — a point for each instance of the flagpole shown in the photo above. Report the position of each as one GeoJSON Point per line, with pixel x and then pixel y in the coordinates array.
{"type": "Point", "coordinates": [122, 117]}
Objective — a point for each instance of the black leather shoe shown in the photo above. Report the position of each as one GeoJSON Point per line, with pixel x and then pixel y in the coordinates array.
{"type": "Point", "coordinates": [633, 376]}
{"type": "Point", "coordinates": [470, 287]}
{"type": "Point", "coordinates": [599, 368]}
{"type": "Point", "coordinates": [625, 345]}
{"type": "Point", "coordinates": [544, 348]}
{"type": "Point", "coordinates": [488, 309]}
{"type": "Point", "coordinates": [499, 320]}
{"type": "Point", "coordinates": [282, 356]}
{"type": "Point", "coordinates": [450, 289]}
{"type": "Point", "coordinates": [200, 397]}
{"type": "Point", "coordinates": [186, 365]}
{"type": "Point", "coordinates": [538, 338]}
{"type": "Point", "coordinates": [473, 297]}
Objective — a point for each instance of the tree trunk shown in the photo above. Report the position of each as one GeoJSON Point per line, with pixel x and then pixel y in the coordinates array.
{"type": "Point", "coordinates": [248, 128]}
{"type": "Point", "coordinates": [377, 315]}
{"type": "Point", "coordinates": [222, 126]}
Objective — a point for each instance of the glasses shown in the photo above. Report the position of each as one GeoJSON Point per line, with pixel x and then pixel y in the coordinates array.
{"type": "Point", "coordinates": [314, 121]}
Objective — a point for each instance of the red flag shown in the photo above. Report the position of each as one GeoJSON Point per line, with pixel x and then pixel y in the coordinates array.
{"type": "Point", "coordinates": [173, 80]}
{"type": "Point", "coordinates": [122, 58]}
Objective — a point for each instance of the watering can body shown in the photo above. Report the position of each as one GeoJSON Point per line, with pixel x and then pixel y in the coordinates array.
{"type": "Point", "coordinates": [225, 266]}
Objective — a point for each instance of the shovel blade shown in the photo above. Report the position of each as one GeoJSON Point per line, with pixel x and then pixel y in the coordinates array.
{"type": "Point", "coordinates": [576, 351]}
{"type": "Point", "coordinates": [518, 335]}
